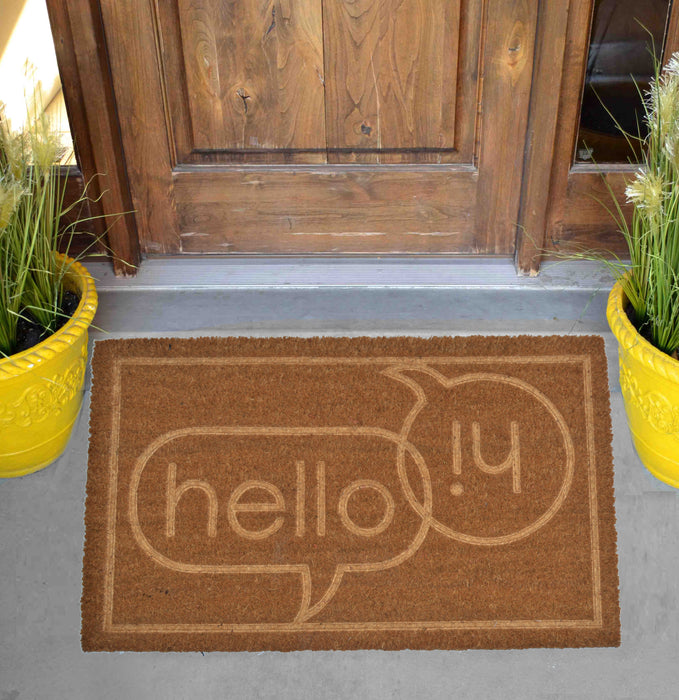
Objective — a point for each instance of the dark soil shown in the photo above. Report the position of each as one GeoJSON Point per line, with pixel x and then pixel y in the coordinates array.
{"type": "Point", "coordinates": [30, 333]}
{"type": "Point", "coordinates": [643, 330]}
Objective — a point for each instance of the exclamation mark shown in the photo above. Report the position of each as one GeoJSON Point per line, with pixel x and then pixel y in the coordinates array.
{"type": "Point", "coordinates": [299, 528]}
{"type": "Point", "coordinates": [320, 499]}
{"type": "Point", "coordinates": [456, 487]}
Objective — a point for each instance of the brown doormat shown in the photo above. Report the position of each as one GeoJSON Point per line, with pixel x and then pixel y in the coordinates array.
{"type": "Point", "coordinates": [350, 493]}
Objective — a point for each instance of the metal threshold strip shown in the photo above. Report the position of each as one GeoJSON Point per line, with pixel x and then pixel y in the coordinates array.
{"type": "Point", "coordinates": [210, 273]}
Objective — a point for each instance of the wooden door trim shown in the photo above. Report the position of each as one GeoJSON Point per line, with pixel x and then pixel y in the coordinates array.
{"type": "Point", "coordinates": [672, 34]}
{"type": "Point", "coordinates": [327, 168]}
{"type": "Point", "coordinates": [140, 98]}
{"type": "Point", "coordinates": [508, 53]}
{"type": "Point", "coordinates": [85, 76]}
{"type": "Point", "coordinates": [541, 143]}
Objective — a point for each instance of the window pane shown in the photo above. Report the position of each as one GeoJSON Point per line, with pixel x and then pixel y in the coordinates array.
{"type": "Point", "coordinates": [28, 64]}
{"type": "Point", "coordinates": [620, 53]}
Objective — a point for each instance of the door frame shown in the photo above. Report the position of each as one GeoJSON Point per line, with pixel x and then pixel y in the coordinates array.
{"type": "Point", "coordinates": [554, 205]}
{"type": "Point", "coordinates": [82, 57]}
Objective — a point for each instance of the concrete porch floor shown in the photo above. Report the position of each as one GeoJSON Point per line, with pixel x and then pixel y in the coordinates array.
{"type": "Point", "coordinates": [41, 516]}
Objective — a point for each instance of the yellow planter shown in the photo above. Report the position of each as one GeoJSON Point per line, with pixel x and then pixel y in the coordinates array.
{"type": "Point", "coordinates": [41, 389]}
{"type": "Point", "coordinates": [649, 380]}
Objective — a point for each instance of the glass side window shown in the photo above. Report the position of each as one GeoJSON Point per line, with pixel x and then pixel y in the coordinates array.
{"type": "Point", "coordinates": [28, 66]}
{"type": "Point", "coordinates": [620, 58]}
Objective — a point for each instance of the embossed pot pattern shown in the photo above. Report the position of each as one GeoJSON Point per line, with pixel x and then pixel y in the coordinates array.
{"type": "Point", "coordinates": [649, 381]}
{"type": "Point", "coordinates": [41, 388]}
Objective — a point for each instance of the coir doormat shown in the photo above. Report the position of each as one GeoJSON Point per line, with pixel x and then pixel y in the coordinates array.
{"type": "Point", "coordinates": [339, 493]}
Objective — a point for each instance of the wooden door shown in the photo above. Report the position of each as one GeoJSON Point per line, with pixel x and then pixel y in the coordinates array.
{"type": "Point", "coordinates": [323, 126]}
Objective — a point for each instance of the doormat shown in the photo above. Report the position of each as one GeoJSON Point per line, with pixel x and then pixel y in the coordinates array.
{"type": "Point", "coordinates": [350, 493]}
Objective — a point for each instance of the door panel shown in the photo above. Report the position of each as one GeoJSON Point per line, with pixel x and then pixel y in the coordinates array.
{"type": "Point", "coordinates": [254, 74]}
{"type": "Point", "coordinates": [391, 79]}
{"type": "Point", "coordinates": [323, 126]}
{"type": "Point", "coordinates": [331, 211]}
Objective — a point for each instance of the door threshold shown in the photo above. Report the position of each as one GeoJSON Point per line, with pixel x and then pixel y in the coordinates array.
{"type": "Point", "coordinates": [209, 273]}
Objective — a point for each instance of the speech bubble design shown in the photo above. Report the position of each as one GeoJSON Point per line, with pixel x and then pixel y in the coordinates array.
{"type": "Point", "coordinates": [403, 374]}
{"type": "Point", "coordinates": [307, 608]}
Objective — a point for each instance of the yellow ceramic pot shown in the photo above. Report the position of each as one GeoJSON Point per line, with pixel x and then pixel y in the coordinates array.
{"type": "Point", "coordinates": [41, 389]}
{"type": "Point", "coordinates": [649, 380]}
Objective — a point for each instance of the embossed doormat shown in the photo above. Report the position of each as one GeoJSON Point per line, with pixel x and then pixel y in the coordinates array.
{"type": "Point", "coordinates": [350, 493]}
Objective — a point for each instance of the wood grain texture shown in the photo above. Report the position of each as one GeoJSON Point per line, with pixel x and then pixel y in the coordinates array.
{"type": "Point", "coordinates": [327, 211]}
{"type": "Point", "coordinates": [540, 147]}
{"type": "Point", "coordinates": [254, 73]}
{"type": "Point", "coordinates": [672, 34]}
{"type": "Point", "coordinates": [83, 242]}
{"type": "Point", "coordinates": [391, 77]}
{"type": "Point", "coordinates": [90, 102]}
{"type": "Point", "coordinates": [356, 207]}
{"type": "Point", "coordinates": [507, 75]}
{"type": "Point", "coordinates": [467, 101]}
{"type": "Point", "coordinates": [575, 219]}
{"type": "Point", "coordinates": [586, 225]}
{"type": "Point", "coordinates": [144, 122]}
{"type": "Point", "coordinates": [173, 43]}
{"type": "Point", "coordinates": [568, 121]}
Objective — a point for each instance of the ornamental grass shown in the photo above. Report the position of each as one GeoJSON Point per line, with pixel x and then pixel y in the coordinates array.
{"type": "Point", "coordinates": [35, 222]}
{"type": "Point", "coordinates": [651, 279]}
